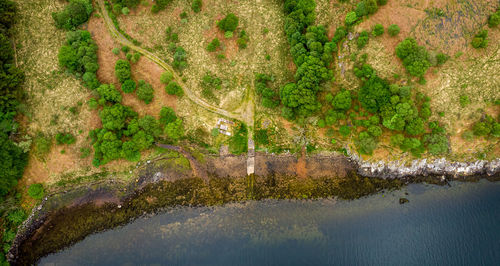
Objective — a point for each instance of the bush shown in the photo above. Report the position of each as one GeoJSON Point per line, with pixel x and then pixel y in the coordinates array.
{"type": "Point", "coordinates": [464, 101]}
{"type": "Point", "coordinates": [242, 40]}
{"type": "Point", "coordinates": [109, 93]}
{"type": "Point", "coordinates": [238, 143]}
{"type": "Point", "coordinates": [362, 39]}
{"type": "Point", "coordinates": [36, 191]}
{"type": "Point", "coordinates": [167, 115]}
{"type": "Point", "coordinates": [196, 5]}
{"type": "Point", "coordinates": [166, 77]}
{"type": "Point", "coordinates": [480, 39]}
{"type": "Point", "coordinates": [145, 91]}
{"type": "Point", "coordinates": [174, 89]}
{"type": "Point", "coordinates": [415, 57]}
{"type": "Point", "coordinates": [378, 30]}
{"type": "Point", "coordinates": [116, 51]}
{"type": "Point", "coordinates": [393, 30]}
{"type": "Point", "coordinates": [65, 138]}
{"type": "Point", "coordinates": [73, 15]}
{"type": "Point", "coordinates": [122, 70]}
{"type": "Point", "coordinates": [16, 217]}
{"type": "Point", "coordinates": [494, 19]}
{"type": "Point", "coordinates": [129, 86]}
{"type": "Point", "coordinates": [136, 57]}
{"type": "Point", "coordinates": [180, 57]}
{"type": "Point", "coordinates": [125, 11]}
{"type": "Point", "coordinates": [351, 18]}
{"type": "Point", "coordinates": [441, 58]}
{"type": "Point", "coordinates": [213, 45]}
{"type": "Point", "coordinates": [174, 130]}
{"type": "Point", "coordinates": [229, 23]}
{"type": "Point", "coordinates": [345, 130]}
{"type": "Point", "coordinates": [366, 143]}
{"type": "Point", "coordinates": [342, 100]}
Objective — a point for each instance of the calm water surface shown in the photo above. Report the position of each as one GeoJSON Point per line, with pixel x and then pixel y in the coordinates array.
{"type": "Point", "coordinates": [458, 225]}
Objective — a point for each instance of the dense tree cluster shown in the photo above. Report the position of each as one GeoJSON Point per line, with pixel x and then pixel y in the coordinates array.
{"type": "Point", "coordinates": [415, 57]}
{"type": "Point", "coordinates": [312, 54]}
{"type": "Point", "coordinates": [13, 158]}
{"type": "Point", "coordinates": [74, 14]}
{"type": "Point", "coordinates": [270, 97]}
{"type": "Point", "coordinates": [79, 56]}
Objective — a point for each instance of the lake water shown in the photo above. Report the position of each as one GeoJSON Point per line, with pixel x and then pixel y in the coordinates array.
{"type": "Point", "coordinates": [441, 225]}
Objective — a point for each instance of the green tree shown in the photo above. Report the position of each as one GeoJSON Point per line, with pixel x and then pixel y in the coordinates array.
{"type": "Point", "coordinates": [174, 89]}
{"type": "Point", "coordinates": [494, 19]}
{"type": "Point", "coordinates": [174, 130]}
{"type": "Point", "coordinates": [378, 30]}
{"type": "Point", "coordinates": [166, 77]}
{"type": "Point", "coordinates": [213, 45]}
{"type": "Point", "coordinates": [36, 191]}
{"type": "Point", "coordinates": [145, 91]}
{"type": "Point", "coordinates": [345, 130]}
{"type": "Point", "coordinates": [415, 57]}
{"type": "Point", "coordinates": [480, 40]}
{"type": "Point", "coordinates": [342, 100]}
{"type": "Point", "coordinates": [109, 93]}
{"type": "Point", "coordinates": [73, 15]}
{"type": "Point", "coordinates": [196, 5]}
{"type": "Point", "coordinates": [351, 18]}
{"type": "Point", "coordinates": [167, 115]}
{"type": "Point", "coordinates": [129, 86]}
{"type": "Point", "coordinates": [122, 70]}
{"type": "Point", "coordinates": [362, 39]}
{"type": "Point", "coordinates": [229, 23]}
{"type": "Point", "coordinates": [393, 30]}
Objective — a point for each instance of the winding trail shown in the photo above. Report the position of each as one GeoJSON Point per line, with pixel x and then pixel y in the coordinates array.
{"type": "Point", "coordinates": [245, 114]}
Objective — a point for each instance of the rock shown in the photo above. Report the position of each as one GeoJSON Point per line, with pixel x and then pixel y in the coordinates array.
{"type": "Point", "coordinates": [403, 200]}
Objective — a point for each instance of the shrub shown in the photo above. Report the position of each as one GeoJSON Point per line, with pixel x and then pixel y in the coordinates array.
{"type": "Point", "coordinates": [174, 89]}
{"type": "Point", "coordinates": [116, 51]}
{"type": "Point", "coordinates": [362, 39]}
{"type": "Point", "coordinates": [125, 49]}
{"type": "Point", "coordinates": [393, 30]}
{"type": "Point", "coordinates": [441, 58]}
{"type": "Point", "coordinates": [84, 152]}
{"type": "Point", "coordinates": [125, 11]}
{"type": "Point", "coordinates": [73, 15]}
{"type": "Point", "coordinates": [242, 40]}
{"type": "Point", "coordinates": [36, 191]}
{"type": "Point", "coordinates": [229, 23]}
{"type": "Point", "coordinates": [145, 91]}
{"type": "Point", "coordinates": [136, 57]}
{"type": "Point", "coordinates": [415, 57]}
{"type": "Point", "coordinates": [345, 130]}
{"type": "Point", "coordinates": [129, 86]}
{"type": "Point", "coordinates": [378, 30]}
{"type": "Point", "coordinates": [166, 77]}
{"type": "Point", "coordinates": [366, 143]}
{"type": "Point", "coordinates": [109, 93]}
{"type": "Point", "coordinates": [228, 34]}
{"type": "Point", "coordinates": [180, 58]}
{"type": "Point", "coordinates": [167, 115]}
{"type": "Point", "coordinates": [174, 130]}
{"type": "Point", "coordinates": [342, 100]}
{"type": "Point", "coordinates": [238, 143]}
{"type": "Point", "coordinates": [351, 18]}
{"type": "Point", "coordinates": [213, 45]}
{"type": "Point", "coordinates": [196, 5]}
{"type": "Point", "coordinates": [16, 217]}
{"type": "Point", "coordinates": [261, 137]}
{"type": "Point", "coordinates": [480, 40]}
{"type": "Point", "coordinates": [122, 70]}
{"type": "Point", "coordinates": [65, 138]}
{"type": "Point", "coordinates": [494, 19]}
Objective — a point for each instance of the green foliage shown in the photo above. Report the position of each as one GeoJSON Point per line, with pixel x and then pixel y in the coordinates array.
{"type": "Point", "coordinates": [196, 5]}
{"type": "Point", "coordinates": [344, 130]}
{"type": "Point", "coordinates": [73, 15]}
{"type": "Point", "coordinates": [213, 45]}
{"type": "Point", "coordinates": [351, 18]}
{"type": "Point", "coordinates": [362, 39]}
{"type": "Point", "coordinates": [116, 51]}
{"type": "Point", "coordinates": [238, 142]}
{"type": "Point", "coordinates": [122, 70]}
{"type": "Point", "coordinates": [441, 58]}
{"type": "Point", "coordinates": [393, 30]}
{"type": "Point", "coordinates": [366, 143]}
{"type": "Point", "coordinates": [174, 130]}
{"type": "Point", "coordinates": [160, 5]}
{"type": "Point", "coordinates": [229, 23]}
{"type": "Point", "coordinates": [261, 137]}
{"type": "Point", "coordinates": [128, 86]}
{"type": "Point", "coordinates": [174, 89]}
{"type": "Point", "coordinates": [487, 125]}
{"type": "Point", "coordinates": [84, 152]}
{"type": "Point", "coordinates": [167, 115]}
{"type": "Point", "coordinates": [228, 34]}
{"type": "Point", "coordinates": [375, 131]}
{"type": "Point", "coordinates": [342, 100]}
{"type": "Point", "coordinates": [397, 140]}
{"type": "Point", "coordinates": [242, 40]}
{"type": "Point", "coordinates": [114, 117]}
{"type": "Point", "coordinates": [109, 93]}
{"type": "Point", "coordinates": [16, 217]}
{"type": "Point", "coordinates": [145, 91]}
{"type": "Point", "coordinates": [415, 126]}
{"type": "Point", "coordinates": [378, 30]}
{"type": "Point", "coordinates": [480, 40]}
{"type": "Point", "coordinates": [494, 19]}
{"type": "Point", "coordinates": [180, 58]}
{"type": "Point", "coordinates": [415, 57]}
{"type": "Point", "coordinates": [11, 165]}
{"type": "Point", "coordinates": [166, 77]}
{"type": "Point", "coordinates": [436, 143]}
{"type": "Point", "coordinates": [135, 58]}
{"type": "Point", "coordinates": [464, 100]}
{"type": "Point", "coordinates": [65, 138]}
{"type": "Point", "coordinates": [321, 123]}
{"type": "Point", "coordinates": [332, 117]}
{"type": "Point", "coordinates": [366, 7]}
{"type": "Point", "coordinates": [374, 94]}
{"type": "Point", "coordinates": [125, 11]}
{"type": "Point", "coordinates": [269, 96]}
{"type": "Point", "coordinates": [79, 55]}
{"type": "Point", "coordinates": [36, 191]}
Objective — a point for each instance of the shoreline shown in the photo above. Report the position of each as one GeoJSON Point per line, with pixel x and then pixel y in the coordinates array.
{"type": "Point", "coordinates": [327, 168]}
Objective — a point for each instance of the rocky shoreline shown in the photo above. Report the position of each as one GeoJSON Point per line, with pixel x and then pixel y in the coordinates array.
{"type": "Point", "coordinates": [317, 165]}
